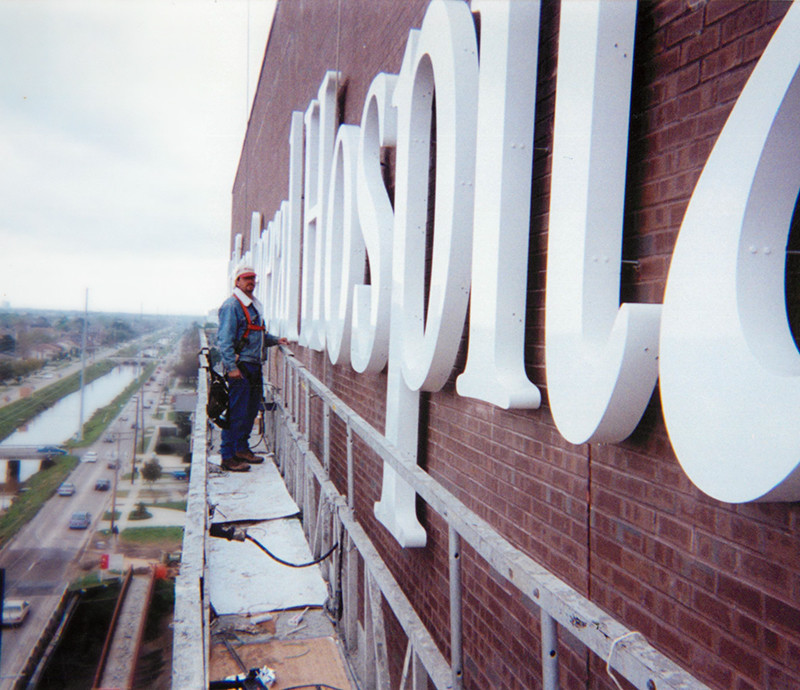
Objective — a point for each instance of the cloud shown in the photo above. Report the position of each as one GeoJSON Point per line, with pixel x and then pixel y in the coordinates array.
{"type": "Point", "coordinates": [121, 125]}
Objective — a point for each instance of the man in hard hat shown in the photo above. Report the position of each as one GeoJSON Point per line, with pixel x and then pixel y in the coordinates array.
{"type": "Point", "coordinates": [242, 341]}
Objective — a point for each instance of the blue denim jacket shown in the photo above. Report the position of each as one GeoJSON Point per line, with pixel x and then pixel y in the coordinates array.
{"type": "Point", "coordinates": [232, 325]}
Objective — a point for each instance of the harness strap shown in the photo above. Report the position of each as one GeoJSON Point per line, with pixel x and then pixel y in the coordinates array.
{"type": "Point", "coordinates": [250, 326]}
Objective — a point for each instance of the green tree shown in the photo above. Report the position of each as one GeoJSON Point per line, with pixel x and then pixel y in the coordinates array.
{"type": "Point", "coordinates": [151, 471]}
{"type": "Point", "coordinates": [7, 343]}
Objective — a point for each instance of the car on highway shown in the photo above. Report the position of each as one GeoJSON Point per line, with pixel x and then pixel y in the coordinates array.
{"type": "Point", "coordinates": [81, 519]}
{"type": "Point", "coordinates": [90, 456]}
{"type": "Point", "coordinates": [102, 485]}
{"type": "Point", "coordinates": [15, 611]}
{"type": "Point", "coordinates": [66, 489]}
{"type": "Point", "coordinates": [51, 450]}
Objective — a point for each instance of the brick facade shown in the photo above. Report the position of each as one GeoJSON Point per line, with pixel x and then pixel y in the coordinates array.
{"type": "Point", "coordinates": [714, 586]}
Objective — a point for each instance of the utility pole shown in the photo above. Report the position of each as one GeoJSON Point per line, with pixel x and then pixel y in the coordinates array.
{"type": "Point", "coordinates": [135, 438]}
{"type": "Point", "coordinates": [117, 461]}
{"type": "Point", "coordinates": [83, 362]}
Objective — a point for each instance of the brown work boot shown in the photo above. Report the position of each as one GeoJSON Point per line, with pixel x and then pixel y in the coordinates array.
{"type": "Point", "coordinates": [248, 456]}
{"type": "Point", "coordinates": [235, 465]}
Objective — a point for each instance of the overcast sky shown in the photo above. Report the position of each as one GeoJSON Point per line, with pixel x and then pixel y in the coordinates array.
{"type": "Point", "coordinates": [121, 124]}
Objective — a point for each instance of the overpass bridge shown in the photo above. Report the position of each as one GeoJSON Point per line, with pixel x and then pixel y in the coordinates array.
{"type": "Point", "coordinates": [24, 453]}
{"type": "Point", "coordinates": [131, 359]}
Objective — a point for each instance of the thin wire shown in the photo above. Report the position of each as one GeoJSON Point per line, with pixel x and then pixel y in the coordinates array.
{"type": "Point", "coordinates": [611, 653]}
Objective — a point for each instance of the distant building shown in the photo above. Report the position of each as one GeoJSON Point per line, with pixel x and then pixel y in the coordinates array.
{"type": "Point", "coordinates": [184, 402]}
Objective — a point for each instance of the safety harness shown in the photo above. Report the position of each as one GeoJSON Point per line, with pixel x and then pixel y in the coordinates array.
{"type": "Point", "coordinates": [239, 346]}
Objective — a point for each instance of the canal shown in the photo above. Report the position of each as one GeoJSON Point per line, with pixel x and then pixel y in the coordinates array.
{"type": "Point", "coordinates": [60, 422]}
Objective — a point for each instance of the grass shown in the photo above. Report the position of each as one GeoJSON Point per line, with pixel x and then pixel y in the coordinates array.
{"type": "Point", "coordinates": [171, 505]}
{"type": "Point", "coordinates": [149, 535]}
{"type": "Point", "coordinates": [39, 488]}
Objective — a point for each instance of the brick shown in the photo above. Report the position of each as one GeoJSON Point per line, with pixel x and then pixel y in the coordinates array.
{"type": "Point", "coordinates": [674, 532]}
{"type": "Point", "coordinates": [741, 658]}
{"type": "Point", "coordinates": [782, 614]}
{"type": "Point", "coordinates": [688, 26]}
{"type": "Point", "coordinates": [773, 576]}
{"type": "Point", "coordinates": [740, 594]}
{"type": "Point", "coordinates": [712, 608]}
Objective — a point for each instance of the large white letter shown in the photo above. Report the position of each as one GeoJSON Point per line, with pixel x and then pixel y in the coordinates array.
{"type": "Point", "coordinates": [601, 357]}
{"type": "Point", "coordinates": [446, 62]}
{"type": "Point", "coordinates": [443, 55]}
{"type": "Point", "coordinates": [320, 136]}
{"type": "Point", "coordinates": [397, 508]}
{"type": "Point", "coordinates": [730, 370]}
{"type": "Point", "coordinates": [495, 370]}
{"type": "Point", "coordinates": [344, 246]}
{"type": "Point", "coordinates": [292, 218]}
{"type": "Point", "coordinates": [371, 303]}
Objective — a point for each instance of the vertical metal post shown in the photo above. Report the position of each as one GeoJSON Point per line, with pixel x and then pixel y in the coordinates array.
{"type": "Point", "coordinates": [350, 470]}
{"type": "Point", "coordinates": [307, 425]}
{"type": "Point", "coordinates": [550, 680]}
{"type": "Point", "coordinates": [326, 438]}
{"type": "Point", "coordinates": [456, 657]}
{"type": "Point", "coordinates": [350, 594]}
{"type": "Point", "coordinates": [286, 393]}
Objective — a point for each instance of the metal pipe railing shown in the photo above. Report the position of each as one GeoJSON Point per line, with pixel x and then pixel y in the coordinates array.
{"type": "Point", "coordinates": [560, 604]}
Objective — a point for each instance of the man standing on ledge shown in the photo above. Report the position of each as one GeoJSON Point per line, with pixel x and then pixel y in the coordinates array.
{"type": "Point", "coordinates": [242, 341]}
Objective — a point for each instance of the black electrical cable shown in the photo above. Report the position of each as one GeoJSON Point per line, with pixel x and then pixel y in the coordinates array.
{"type": "Point", "coordinates": [291, 565]}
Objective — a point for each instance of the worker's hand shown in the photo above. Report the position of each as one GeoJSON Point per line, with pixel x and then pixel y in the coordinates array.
{"type": "Point", "coordinates": [283, 341]}
{"type": "Point", "coordinates": [234, 374]}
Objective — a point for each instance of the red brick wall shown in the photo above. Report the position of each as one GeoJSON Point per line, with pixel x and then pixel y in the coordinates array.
{"type": "Point", "coordinates": [714, 586]}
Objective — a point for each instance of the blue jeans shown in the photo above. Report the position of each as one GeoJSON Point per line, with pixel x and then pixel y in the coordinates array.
{"type": "Point", "coordinates": [245, 395]}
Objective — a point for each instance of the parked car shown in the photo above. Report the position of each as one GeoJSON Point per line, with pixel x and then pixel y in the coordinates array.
{"type": "Point", "coordinates": [102, 485]}
{"type": "Point", "coordinates": [90, 456]}
{"type": "Point", "coordinates": [51, 450]}
{"type": "Point", "coordinates": [180, 474]}
{"type": "Point", "coordinates": [66, 489]}
{"type": "Point", "coordinates": [111, 464]}
{"type": "Point", "coordinates": [80, 519]}
{"type": "Point", "coordinates": [15, 611]}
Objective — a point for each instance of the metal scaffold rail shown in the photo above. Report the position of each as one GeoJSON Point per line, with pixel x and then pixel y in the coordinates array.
{"type": "Point", "coordinates": [625, 651]}
{"type": "Point", "coordinates": [361, 581]}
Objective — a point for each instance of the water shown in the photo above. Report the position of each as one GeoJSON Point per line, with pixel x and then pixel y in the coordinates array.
{"type": "Point", "coordinates": [60, 422]}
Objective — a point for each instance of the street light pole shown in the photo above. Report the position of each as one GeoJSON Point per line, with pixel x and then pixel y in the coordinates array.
{"type": "Point", "coordinates": [118, 434]}
{"type": "Point", "coordinates": [83, 362]}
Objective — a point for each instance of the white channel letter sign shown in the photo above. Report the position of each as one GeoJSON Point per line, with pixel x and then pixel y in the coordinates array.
{"type": "Point", "coordinates": [292, 216]}
{"type": "Point", "coordinates": [730, 370]}
{"type": "Point", "coordinates": [728, 366]}
{"type": "Point", "coordinates": [320, 119]}
{"type": "Point", "coordinates": [601, 358]}
{"type": "Point", "coordinates": [372, 303]}
{"type": "Point", "coordinates": [344, 245]}
{"type": "Point", "coordinates": [441, 58]}
{"type": "Point", "coordinates": [495, 369]}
